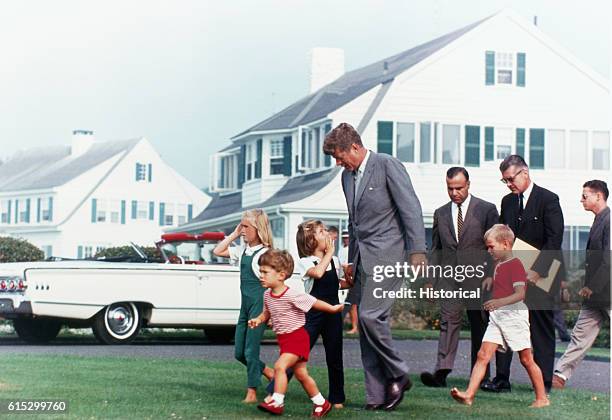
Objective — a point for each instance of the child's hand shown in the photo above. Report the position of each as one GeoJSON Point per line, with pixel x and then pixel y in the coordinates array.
{"type": "Point", "coordinates": [236, 232]}
{"type": "Point", "coordinates": [329, 245]}
{"type": "Point", "coordinates": [254, 323]}
{"type": "Point", "coordinates": [491, 305]}
{"type": "Point", "coordinates": [487, 283]}
{"type": "Point", "coordinates": [338, 308]}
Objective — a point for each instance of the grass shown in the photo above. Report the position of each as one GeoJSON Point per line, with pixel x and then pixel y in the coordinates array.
{"type": "Point", "coordinates": [99, 388]}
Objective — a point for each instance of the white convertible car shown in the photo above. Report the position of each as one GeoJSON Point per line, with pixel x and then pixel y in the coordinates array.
{"type": "Point", "coordinates": [191, 289]}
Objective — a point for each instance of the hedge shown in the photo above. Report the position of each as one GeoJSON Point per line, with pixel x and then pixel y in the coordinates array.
{"type": "Point", "coordinates": [18, 250]}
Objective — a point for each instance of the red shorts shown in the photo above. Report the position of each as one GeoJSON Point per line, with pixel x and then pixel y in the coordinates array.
{"type": "Point", "coordinates": [296, 342]}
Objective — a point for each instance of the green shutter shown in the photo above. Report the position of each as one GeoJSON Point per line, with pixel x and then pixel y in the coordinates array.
{"type": "Point", "coordinates": [536, 148]}
{"type": "Point", "coordinates": [151, 210]}
{"type": "Point", "coordinates": [94, 205]}
{"type": "Point", "coordinates": [150, 172]}
{"type": "Point", "coordinates": [489, 67]}
{"type": "Point", "coordinates": [520, 69]}
{"type": "Point", "coordinates": [123, 212]}
{"type": "Point", "coordinates": [16, 211]}
{"type": "Point", "coordinates": [27, 211]}
{"type": "Point", "coordinates": [287, 153]}
{"type": "Point", "coordinates": [9, 211]}
{"type": "Point", "coordinates": [50, 209]}
{"type": "Point", "coordinates": [489, 143]}
{"type": "Point", "coordinates": [520, 142]}
{"type": "Point", "coordinates": [241, 165]}
{"type": "Point", "coordinates": [303, 143]}
{"type": "Point", "coordinates": [259, 158]}
{"type": "Point", "coordinates": [137, 172]}
{"type": "Point", "coordinates": [80, 252]}
{"type": "Point", "coordinates": [162, 213]}
{"type": "Point", "coordinates": [38, 211]}
{"type": "Point", "coordinates": [134, 209]}
{"type": "Point", "coordinates": [472, 145]}
{"type": "Point", "coordinates": [385, 137]}
{"type": "Point", "coordinates": [189, 212]}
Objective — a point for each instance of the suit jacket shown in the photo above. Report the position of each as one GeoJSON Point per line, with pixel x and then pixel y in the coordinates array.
{"type": "Point", "coordinates": [597, 263]}
{"type": "Point", "coordinates": [469, 249]}
{"type": "Point", "coordinates": [541, 226]}
{"type": "Point", "coordinates": [385, 217]}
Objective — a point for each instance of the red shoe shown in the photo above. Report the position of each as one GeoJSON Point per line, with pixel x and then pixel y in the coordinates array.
{"type": "Point", "coordinates": [271, 408]}
{"type": "Point", "coordinates": [321, 410]}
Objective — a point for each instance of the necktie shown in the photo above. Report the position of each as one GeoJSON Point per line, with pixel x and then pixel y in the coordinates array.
{"type": "Point", "coordinates": [459, 221]}
{"type": "Point", "coordinates": [521, 204]}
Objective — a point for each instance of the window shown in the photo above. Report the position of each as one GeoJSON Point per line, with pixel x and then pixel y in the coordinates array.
{"type": "Point", "coordinates": [144, 172]}
{"type": "Point", "coordinates": [555, 149]}
{"type": "Point", "coordinates": [278, 232]}
{"type": "Point", "coordinates": [251, 159]}
{"type": "Point", "coordinates": [226, 176]}
{"type": "Point", "coordinates": [24, 211]}
{"type": "Point", "coordinates": [47, 250]}
{"type": "Point", "coordinates": [504, 139]}
{"type": "Point", "coordinates": [169, 214]}
{"type": "Point", "coordinates": [504, 63]}
{"type": "Point", "coordinates": [578, 150]}
{"type": "Point", "coordinates": [450, 144]}
{"type": "Point", "coordinates": [100, 211]}
{"type": "Point", "coordinates": [472, 145]}
{"type": "Point", "coordinates": [425, 142]}
{"type": "Point", "coordinates": [536, 148]}
{"type": "Point", "coordinates": [405, 142]}
{"type": "Point", "coordinates": [277, 158]}
{"type": "Point", "coordinates": [115, 211]}
{"type": "Point", "coordinates": [5, 211]}
{"type": "Point", "coordinates": [601, 150]}
{"type": "Point", "coordinates": [181, 214]}
{"type": "Point", "coordinates": [140, 210]}
{"type": "Point", "coordinates": [87, 251]}
{"type": "Point", "coordinates": [46, 209]}
{"type": "Point", "coordinates": [385, 137]}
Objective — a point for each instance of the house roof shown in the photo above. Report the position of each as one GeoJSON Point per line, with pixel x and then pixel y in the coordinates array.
{"type": "Point", "coordinates": [48, 167]}
{"type": "Point", "coordinates": [353, 84]}
{"type": "Point", "coordinates": [296, 188]}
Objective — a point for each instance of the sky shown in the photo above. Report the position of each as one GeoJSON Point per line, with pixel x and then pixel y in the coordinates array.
{"type": "Point", "coordinates": [190, 74]}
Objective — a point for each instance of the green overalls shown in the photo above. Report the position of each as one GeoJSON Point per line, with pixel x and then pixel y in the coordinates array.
{"type": "Point", "coordinates": [247, 340]}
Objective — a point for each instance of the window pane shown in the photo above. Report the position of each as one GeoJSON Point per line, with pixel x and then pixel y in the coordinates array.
{"type": "Point", "coordinates": [425, 142]}
{"type": "Point", "coordinates": [405, 142]}
{"type": "Point", "coordinates": [578, 149]}
{"type": "Point", "coordinates": [601, 150]}
{"type": "Point", "coordinates": [555, 147]}
{"type": "Point", "coordinates": [450, 144]}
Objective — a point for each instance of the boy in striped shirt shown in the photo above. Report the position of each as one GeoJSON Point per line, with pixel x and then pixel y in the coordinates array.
{"type": "Point", "coordinates": [287, 308]}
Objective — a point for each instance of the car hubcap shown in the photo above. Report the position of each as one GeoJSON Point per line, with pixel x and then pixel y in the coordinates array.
{"type": "Point", "coordinates": [120, 319]}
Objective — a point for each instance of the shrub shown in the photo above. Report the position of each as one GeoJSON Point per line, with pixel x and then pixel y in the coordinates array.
{"type": "Point", "coordinates": [18, 250]}
{"type": "Point", "coordinates": [152, 252]}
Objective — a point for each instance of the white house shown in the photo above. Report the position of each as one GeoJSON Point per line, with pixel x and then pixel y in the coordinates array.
{"type": "Point", "coordinates": [74, 200]}
{"type": "Point", "coordinates": [469, 98]}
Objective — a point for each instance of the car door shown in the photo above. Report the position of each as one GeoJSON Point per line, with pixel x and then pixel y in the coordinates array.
{"type": "Point", "coordinates": [218, 294]}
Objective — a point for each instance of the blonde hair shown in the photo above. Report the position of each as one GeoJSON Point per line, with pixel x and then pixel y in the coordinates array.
{"type": "Point", "coordinates": [259, 219]}
{"type": "Point", "coordinates": [500, 233]}
{"type": "Point", "coordinates": [305, 237]}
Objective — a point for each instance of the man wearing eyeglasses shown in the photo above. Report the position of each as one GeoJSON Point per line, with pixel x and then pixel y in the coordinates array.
{"type": "Point", "coordinates": [534, 215]}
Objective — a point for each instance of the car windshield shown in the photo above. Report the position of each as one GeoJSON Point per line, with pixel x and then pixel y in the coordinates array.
{"type": "Point", "coordinates": [193, 252]}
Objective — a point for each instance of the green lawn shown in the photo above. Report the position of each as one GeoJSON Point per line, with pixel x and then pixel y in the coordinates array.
{"type": "Point", "coordinates": [133, 388]}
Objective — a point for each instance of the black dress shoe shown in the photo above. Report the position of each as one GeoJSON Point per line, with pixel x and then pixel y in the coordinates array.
{"type": "Point", "coordinates": [395, 392]}
{"type": "Point", "coordinates": [435, 380]}
{"type": "Point", "coordinates": [497, 385]}
{"type": "Point", "coordinates": [372, 407]}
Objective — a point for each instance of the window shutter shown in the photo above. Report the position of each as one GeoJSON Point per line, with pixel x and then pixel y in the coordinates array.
{"type": "Point", "coordinates": [39, 210]}
{"type": "Point", "coordinates": [80, 252]}
{"type": "Point", "coordinates": [385, 137]}
{"type": "Point", "coordinates": [162, 213]}
{"type": "Point", "coordinates": [16, 211]}
{"type": "Point", "coordinates": [536, 148]}
{"type": "Point", "coordinates": [27, 211]}
{"type": "Point", "coordinates": [489, 67]}
{"type": "Point", "coordinates": [9, 211]}
{"type": "Point", "coordinates": [472, 145]}
{"type": "Point", "coordinates": [241, 165]}
{"type": "Point", "coordinates": [123, 212]}
{"type": "Point", "coordinates": [137, 171]}
{"type": "Point", "coordinates": [489, 143]}
{"type": "Point", "coordinates": [303, 148]}
{"type": "Point", "coordinates": [150, 173]}
{"type": "Point", "coordinates": [151, 210]}
{"type": "Point", "coordinates": [50, 209]}
{"type": "Point", "coordinates": [259, 158]}
{"type": "Point", "coordinates": [94, 205]}
{"type": "Point", "coordinates": [287, 154]}
{"type": "Point", "coordinates": [189, 212]}
{"type": "Point", "coordinates": [520, 69]}
{"type": "Point", "coordinates": [520, 142]}
{"type": "Point", "coordinates": [327, 157]}
{"type": "Point", "coordinates": [134, 209]}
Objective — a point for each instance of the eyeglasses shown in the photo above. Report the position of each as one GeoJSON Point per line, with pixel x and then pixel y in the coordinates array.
{"type": "Point", "coordinates": [511, 179]}
{"type": "Point", "coordinates": [584, 196]}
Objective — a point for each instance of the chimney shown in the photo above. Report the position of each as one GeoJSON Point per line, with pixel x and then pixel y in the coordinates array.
{"type": "Point", "coordinates": [82, 140]}
{"type": "Point", "coordinates": [326, 65]}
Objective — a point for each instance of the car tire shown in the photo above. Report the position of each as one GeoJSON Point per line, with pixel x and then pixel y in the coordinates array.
{"type": "Point", "coordinates": [37, 331]}
{"type": "Point", "coordinates": [118, 323]}
{"type": "Point", "coordinates": [220, 335]}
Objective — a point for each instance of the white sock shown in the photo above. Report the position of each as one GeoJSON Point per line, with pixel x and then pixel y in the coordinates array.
{"type": "Point", "coordinates": [318, 399]}
{"type": "Point", "coordinates": [279, 399]}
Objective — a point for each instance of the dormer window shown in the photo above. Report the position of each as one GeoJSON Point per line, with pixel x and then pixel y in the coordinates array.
{"type": "Point", "coordinates": [144, 172]}
{"type": "Point", "coordinates": [250, 161]}
{"type": "Point", "coordinates": [277, 158]}
{"type": "Point", "coordinates": [505, 68]}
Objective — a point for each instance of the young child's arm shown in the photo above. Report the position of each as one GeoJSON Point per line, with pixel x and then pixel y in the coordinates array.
{"type": "Point", "coordinates": [261, 319]}
{"type": "Point", "coordinates": [318, 270]}
{"type": "Point", "coordinates": [222, 248]}
{"type": "Point", "coordinates": [319, 305]}
{"type": "Point", "coordinates": [517, 296]}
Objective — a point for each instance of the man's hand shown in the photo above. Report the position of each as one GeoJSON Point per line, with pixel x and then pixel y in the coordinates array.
{"type": "Point", "coordinates": [585, 292]}
{"type": "Point", "coordinates": [254, 323]}
{"type": "Point", "coordinates": [348, 273]}
{"type": "Point", "coordinates": [487, 283]}
{"type": "Point", "coordinates": [533, 277]}
{"type": "Point", "coordinates": [491, 305]}
{"type": "Point", "coordinates": [418, 259]}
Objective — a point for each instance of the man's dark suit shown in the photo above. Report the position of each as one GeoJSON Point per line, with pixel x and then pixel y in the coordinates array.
{"type": "Point", "coordinates": [468, 250]}
{"type": "Point", "coordinates": [541, 226]}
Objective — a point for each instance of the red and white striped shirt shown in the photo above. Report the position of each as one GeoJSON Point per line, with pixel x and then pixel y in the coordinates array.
{"type": "Point", "coordinates": [287, 310]}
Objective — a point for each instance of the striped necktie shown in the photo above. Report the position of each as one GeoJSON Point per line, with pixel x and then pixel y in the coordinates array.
{"type": "Point", "coordinates": [459, 221]}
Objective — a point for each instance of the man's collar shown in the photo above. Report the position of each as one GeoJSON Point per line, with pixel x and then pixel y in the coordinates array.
{"type": "Point", "coordinates": [465, 203]}
{"type": "Point", "coordinates": [527, 192]}
{"type": "Point", "coordinates": [364, 162]}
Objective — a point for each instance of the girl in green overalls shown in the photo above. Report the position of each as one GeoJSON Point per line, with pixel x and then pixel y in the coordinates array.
{"type": "Point", "coordinates": [257, 236]}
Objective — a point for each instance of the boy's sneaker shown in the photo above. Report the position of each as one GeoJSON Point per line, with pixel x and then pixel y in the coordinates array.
{"type": "Point", "coordinates": [271, 408]}
{"type": "Point", "coordinates": [321, 410]}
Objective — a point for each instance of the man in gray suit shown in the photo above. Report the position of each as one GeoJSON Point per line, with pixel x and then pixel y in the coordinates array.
{"type": "Point", "coordinates": [385, 228]}
{"type": "Point", "coordinates": [458, 239]}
